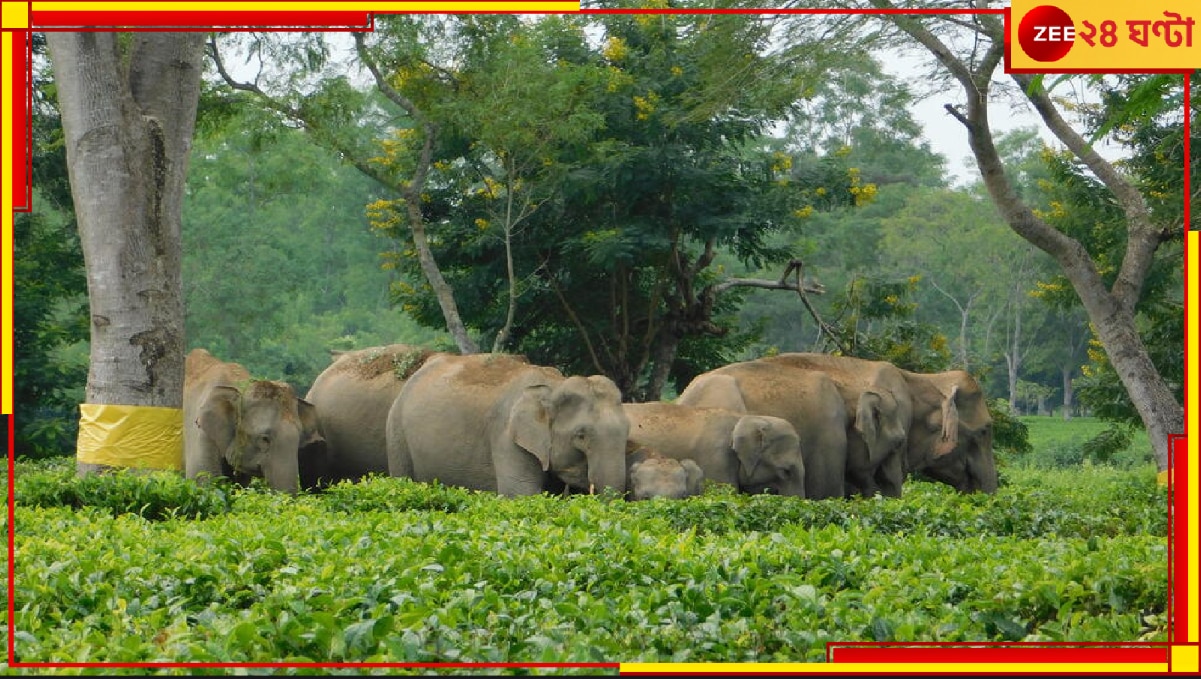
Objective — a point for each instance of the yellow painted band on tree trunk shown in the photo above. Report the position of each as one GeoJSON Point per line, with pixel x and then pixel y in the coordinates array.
{"type": "Point", "coordinates": [131, 436]}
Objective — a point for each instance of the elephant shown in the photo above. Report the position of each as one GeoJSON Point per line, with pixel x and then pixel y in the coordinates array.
{"type": "Point", "coordinates": [951, 437]}
{"type": "Point", "coordinates": [353, 396]}
{"type": "Point", "coordinates": [806, 399]}
{"type": "Point", "coordinates": [753, 453]}
{"type": "Point", "coordinates": [496, 422]}
{"type": "Point", "coordinates": [650, 475]}
{"type": "Point", "coordinates": [240, 428]}
{"type": "Point", "coordinates": [879, 413]}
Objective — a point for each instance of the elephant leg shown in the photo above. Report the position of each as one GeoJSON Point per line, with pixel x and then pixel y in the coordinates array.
{"type": "Point", "coordinates": [517, 472]}
{"type": "Point", "coordinates": [860, 482]}
{"type": "Point", "coordinates": [202, 460]}
{"type": "Point", "coordinates": [314, 464]}
{"type": "Point", "coordinates": [400, 459]}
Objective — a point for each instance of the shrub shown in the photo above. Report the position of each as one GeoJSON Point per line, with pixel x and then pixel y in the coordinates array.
{"type": "Point", "coordinates": [154, 496]}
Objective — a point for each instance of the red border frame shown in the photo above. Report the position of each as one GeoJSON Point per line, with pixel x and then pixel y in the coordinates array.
{"type": "Point", "coordinates": [22, 119]}
{"type": "Point", "coordinates": [867, 652]}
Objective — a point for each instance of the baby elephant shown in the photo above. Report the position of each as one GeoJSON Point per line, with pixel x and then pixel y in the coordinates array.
{"type": "Point", "coordinates": [753, 453]}
{"type": "Point", "coordinates": [652, 475]}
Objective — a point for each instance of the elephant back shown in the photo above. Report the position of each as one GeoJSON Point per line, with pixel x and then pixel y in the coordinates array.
{"type": "Point", "coordinates": [391, 363]}
{"type": "Point", "coordinates": [352, 397]}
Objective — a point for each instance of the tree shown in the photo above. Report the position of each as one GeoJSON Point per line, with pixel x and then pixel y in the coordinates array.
{"type": "Point", "coordinates": [340, 117]}
{"type": "Point", "coordinates": [128, 104]}
{"type": "Point", "coordinates": [280, 265]}
{"type": "Point", "coordinates": [1110, 305]}
{"type": "Point", "coordinates": [618, 263]}
{"type": "Point", "coordinates": [50, 312]}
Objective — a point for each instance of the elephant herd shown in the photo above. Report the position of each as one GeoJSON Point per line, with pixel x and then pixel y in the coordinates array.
{"type": "Point", "coordinates": [799, 424]}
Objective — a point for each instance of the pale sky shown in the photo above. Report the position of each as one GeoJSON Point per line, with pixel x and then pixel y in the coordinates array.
{"type": "Point", "coordinates": [948, 136]}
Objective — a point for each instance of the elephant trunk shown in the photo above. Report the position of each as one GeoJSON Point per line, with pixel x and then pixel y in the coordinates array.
{"type": "Point", "coordinates": [982, 470]}
{"type": "Point", "coordinates": [282, 472]}
{"type": "Point", "coordinates": [607, 471]}
{"type": "Point", "coordinates": [794, 484]}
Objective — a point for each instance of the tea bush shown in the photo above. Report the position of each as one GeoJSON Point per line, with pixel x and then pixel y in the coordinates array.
{"type": "Point", "coordinates": [146, 569]}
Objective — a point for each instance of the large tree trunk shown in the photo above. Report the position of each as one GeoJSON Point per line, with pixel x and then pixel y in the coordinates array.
{"type": "Point", "coordinates": [128, 112]}
{"type": "Point", "coordinates": [1110, 310]}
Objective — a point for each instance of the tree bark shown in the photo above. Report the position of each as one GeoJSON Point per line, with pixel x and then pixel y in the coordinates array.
{"type": "Point", "coordinates": [128, 115]}
{"type": "Point", "coordinates": [1110, 310]}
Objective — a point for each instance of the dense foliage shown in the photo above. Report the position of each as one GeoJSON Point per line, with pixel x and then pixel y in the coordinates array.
{"type": "Point", "coordinates": [389, 570]}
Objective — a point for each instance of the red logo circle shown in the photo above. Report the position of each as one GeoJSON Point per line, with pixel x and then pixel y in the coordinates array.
{"type": "Point", "coordinates": [1046, 33]}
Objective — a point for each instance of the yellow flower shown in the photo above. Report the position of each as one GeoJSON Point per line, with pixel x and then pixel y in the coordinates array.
{"type": "Point", "coordinates": [820, 191]}
{"type": "Point", "coordinates": [616, 49]}
{"type": "Point", "coordinates": [481, 223]}
{"type": "Point", "coordinates": [645, 105]}
{"type": "Point", "coordinates": [780, 161]}
{"type": "Point", "coordinates": [677, 71]}
{"type": "Point", "coordinates": [864, 194]}
{"type": "Point", "coordinates": [803, 212]}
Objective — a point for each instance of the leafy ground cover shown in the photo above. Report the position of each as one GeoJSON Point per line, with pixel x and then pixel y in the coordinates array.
{"type": "Point", "coordinates": [131, 568]}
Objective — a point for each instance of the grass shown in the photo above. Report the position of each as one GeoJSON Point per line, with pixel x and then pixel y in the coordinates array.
{"type": "Point", "coordinates": [1059, 442]}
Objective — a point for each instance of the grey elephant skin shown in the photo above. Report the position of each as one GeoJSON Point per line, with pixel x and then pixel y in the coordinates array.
{"type": "Point", "coordinates": [241, 428]}
{"type": "Point", "coordinates": [496, 422]}
{"type": "Point", "coordinates": [808, 400]}
{"type": "Point", "coordinates": [879, 414]}
{"type": "Point", "coordinates": [753, 453]}
{"type": "Point", "coordinates": [951, 439]}
{"type": "Point", "coordinates": [352, 397]}
{"type": "Point", "coordinates": [650, 475]}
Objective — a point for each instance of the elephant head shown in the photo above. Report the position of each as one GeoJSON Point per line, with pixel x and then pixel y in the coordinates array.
{"type": "Point", "coordinates": [883, 422]}
{"type": "Point", "coordinates": [652, 475]}
{"type": "Point", "coordinates": [951, 437]}
{"type": "Point", "coordinates": [576, 429]}
{"type": "Point", "coordinates": [260, 430]}
{"type": "Point", "coordinates": [769, 456]}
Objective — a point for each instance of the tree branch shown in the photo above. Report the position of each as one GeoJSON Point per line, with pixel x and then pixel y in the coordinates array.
{"type": "Point", "coordinates": [1144, 238]}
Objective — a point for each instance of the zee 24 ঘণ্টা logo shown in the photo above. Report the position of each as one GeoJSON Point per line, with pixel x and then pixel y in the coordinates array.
{"type": "Point", "coordinates": [1047, 33]}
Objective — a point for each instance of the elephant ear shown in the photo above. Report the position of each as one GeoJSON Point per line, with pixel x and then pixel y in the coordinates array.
{"type": "Point", "coordinates": [529, 423]}
{"type": "Point", "coordinates": [695, 476]}
{"type": "Point", "coordinates": [867, 423]}
{"type": "Point", "coordinates": [748, 443]}
{"type": "Point", "coordinates": [218, 417]}
{"type": "Point", "coordinates": [950, 425]}
{"type": "Point", "coordinates": [310, 428]}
